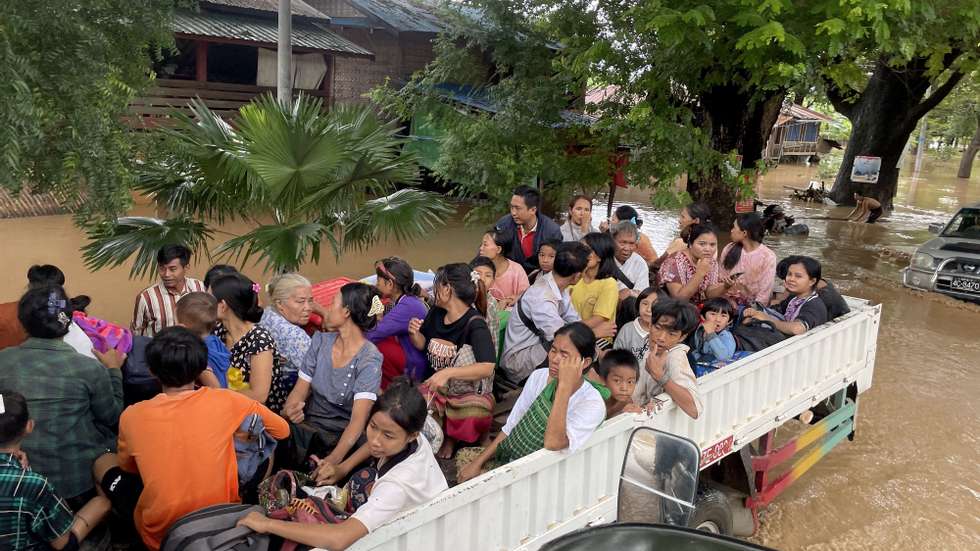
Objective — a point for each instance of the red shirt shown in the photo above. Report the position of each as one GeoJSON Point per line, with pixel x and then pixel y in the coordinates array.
{"type": "Point", "coordinates": [11, 331]}
{"type": "Point", "coordinates": [527, 240]}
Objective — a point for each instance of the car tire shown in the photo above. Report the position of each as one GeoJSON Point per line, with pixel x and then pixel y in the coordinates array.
{"type": "Point", "coordinates": [712, 512]}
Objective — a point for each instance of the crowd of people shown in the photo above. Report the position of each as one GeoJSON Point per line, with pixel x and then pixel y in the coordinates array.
{"type": "Point", "coordinates": [219, 386]}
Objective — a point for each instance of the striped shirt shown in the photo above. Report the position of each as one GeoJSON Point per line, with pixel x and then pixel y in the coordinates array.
{"type": "Point", "coordinates": [156, 307]}
{"type": "Point", "coordinates": [31, 513]}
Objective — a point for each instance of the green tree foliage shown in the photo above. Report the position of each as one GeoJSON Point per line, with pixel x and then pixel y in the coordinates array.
{"type": "Point", "coordinates": [692, 85]}
{"type": "Point", "coordinates": [67, 72]}
{"type": "Point", "coordinates": [954, 120]}
{"type": "Point", "coordinates": [890, 72]}
{"type": "Point", "coordinates": [299, 177]}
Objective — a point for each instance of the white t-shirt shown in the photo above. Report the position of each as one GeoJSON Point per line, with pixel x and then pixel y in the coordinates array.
{"type": "Point", "coordinates": [636, 269]}
{"type": "Point", "coordinates": [586, 409]}
{"type": "Point", "coordinates": [678, 370]}
{"type": "Point", "coordinates": [416, 480]}
{"type": "Point", "coordinates": [77, 339]}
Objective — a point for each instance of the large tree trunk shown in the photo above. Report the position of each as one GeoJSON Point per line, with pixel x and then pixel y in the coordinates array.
{"type": "Point", "coordinates": [736, 122]}
{"type": "Point", "coordinates": [882, 119]}
{"type": "Point", "coordinates": [966, 163]}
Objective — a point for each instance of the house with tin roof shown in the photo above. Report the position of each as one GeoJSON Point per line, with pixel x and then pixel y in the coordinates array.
{"type": "Point", "coordinates": [342, 49]}
{"type": "Point", "coordinates": [226, 55]}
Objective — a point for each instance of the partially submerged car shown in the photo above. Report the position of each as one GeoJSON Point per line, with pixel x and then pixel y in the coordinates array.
{"type": "Point", "coordinates": [950, 262]}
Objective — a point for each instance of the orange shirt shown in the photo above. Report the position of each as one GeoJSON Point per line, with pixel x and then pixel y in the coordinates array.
{"type": "Point", "coordinates": [182, 448]}
{"type": "Point", "coordinates": [11, 331]}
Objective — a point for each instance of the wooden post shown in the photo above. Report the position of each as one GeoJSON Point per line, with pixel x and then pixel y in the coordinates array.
{"type": "Point", "coordinates": [201, 61]}
{"type": "Point", "coordinates": [284, 54]}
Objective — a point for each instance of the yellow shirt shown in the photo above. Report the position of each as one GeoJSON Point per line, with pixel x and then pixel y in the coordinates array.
{"type": "Point", "coordinates": [598, 298]}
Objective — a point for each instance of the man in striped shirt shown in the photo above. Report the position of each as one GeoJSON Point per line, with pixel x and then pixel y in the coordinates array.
{"type": "Point", "coordinates": [156, 306]}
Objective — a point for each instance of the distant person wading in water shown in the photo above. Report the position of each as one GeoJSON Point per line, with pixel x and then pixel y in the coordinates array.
{"type": "Point", "coordinates": [866, 205]}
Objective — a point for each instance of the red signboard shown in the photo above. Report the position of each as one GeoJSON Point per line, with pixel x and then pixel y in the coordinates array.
{"type": "Point", "coordinates": [716, 451]}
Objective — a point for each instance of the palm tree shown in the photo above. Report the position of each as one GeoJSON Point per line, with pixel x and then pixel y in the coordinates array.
{"type": "Point", "coordinates": [298, 174]}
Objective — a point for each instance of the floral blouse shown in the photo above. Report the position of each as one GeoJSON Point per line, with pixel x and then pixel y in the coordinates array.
{"type": "Point", "coordinates": [291, 340]}
{"type": "Point", "coordinates": [678, 268]}
{"type": "Point", "coordinates": [257, 340]}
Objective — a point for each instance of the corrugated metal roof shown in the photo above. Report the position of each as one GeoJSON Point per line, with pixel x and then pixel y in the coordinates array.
{"type": "Point", "coordinates": [802, 113]}
{"type": "Point", "coordinates": [298, 6]}
{"type": "Point", "coordinates": [262, 30]}
{"type": "Point", "coordinates": [402, 15]}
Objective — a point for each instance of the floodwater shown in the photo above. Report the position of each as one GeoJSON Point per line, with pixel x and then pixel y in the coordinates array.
{"type": "Point", "coordinates": [910, 480]}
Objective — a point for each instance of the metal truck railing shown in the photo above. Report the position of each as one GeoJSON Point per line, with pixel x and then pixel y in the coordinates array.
{"type": "Point", "coordinates": [546, 494]}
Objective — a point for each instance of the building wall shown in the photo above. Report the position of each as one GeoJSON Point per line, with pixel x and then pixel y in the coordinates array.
{"type": "Point", "coordinates": [395, 58]}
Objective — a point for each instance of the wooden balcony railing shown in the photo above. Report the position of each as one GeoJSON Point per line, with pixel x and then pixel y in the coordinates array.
{"type": "Point", "coordinates": [167, 95]}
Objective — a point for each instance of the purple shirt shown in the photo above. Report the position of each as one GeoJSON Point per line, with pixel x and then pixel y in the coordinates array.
{"type": "Point", "coordinates": [395, 324]}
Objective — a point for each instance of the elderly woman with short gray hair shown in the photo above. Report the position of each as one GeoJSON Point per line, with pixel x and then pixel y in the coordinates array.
{"type": "Point", "coordinates": [291, 303]}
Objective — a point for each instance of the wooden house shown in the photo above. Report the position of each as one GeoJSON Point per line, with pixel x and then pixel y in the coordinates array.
{"type": "Point", "coordinates": [226, 55]}
{"type": "Point", "coordinates": [796, 134]}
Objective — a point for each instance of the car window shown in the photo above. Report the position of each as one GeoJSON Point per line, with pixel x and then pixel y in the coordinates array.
{"type": "Point", "coordinates": [966, 224]}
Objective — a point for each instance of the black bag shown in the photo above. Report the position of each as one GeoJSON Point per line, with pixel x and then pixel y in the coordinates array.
{"type": "Point", "coordinates": [213, 529]}
{"type": "Point", "coordinates": [756, 336]}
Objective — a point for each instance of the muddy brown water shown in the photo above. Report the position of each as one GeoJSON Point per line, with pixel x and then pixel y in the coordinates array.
{"type": "Point", "coordinates": [910, 480]}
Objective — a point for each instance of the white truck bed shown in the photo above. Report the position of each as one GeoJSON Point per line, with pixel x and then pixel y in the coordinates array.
{"type": "Point", "coordinates": [546, 494]}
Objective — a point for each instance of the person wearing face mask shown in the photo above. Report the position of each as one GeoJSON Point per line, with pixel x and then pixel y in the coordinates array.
{"type": "Point", "coordinates": [693, 274]}
{"type": "Point", "coordinates": [457, 341]}
{"type": "Point", "coordinates": [401, 473]}
{"type": "Point", "coordinates": [339, 381]}
{"type": "Point", "coordinates": [292, 302]}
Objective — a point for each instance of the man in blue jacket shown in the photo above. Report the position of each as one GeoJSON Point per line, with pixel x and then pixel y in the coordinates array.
{"type": "Point", "coordinates": [527, 227]}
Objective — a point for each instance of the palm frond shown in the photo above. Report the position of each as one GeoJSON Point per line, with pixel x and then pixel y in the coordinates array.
{"type": "Point", "coordinates": [404, 215]}
{"type": "Point", "coordinates": [281, 247]}
{"type": "Point", "coordinates": [112, 243]}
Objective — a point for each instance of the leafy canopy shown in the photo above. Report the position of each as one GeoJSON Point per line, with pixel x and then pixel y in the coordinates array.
{"type": "Point", "coordinates": [299, 176]}
{"type": "Point", "coordinates": [68, 70]}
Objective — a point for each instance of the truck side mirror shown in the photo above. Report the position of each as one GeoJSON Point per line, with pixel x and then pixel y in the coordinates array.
{"type": "Point", "coordinates": [936, 227]}
{"type": "Point", "coordinates": [659, 480]}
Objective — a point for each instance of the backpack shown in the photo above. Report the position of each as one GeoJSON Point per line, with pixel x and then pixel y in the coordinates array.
{"type": "Point", "coordinates": [213, 529]}
{"type": "Point", "coordinates": [252, 447]}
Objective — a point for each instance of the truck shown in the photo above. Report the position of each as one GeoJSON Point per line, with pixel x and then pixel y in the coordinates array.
{"type": "Point", "coordinates": [734, 470]}
{"type": "Point", "coordinates": [950, 262]}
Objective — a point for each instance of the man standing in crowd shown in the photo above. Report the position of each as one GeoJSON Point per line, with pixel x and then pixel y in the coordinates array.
{"type": "Point", "coordinates": [528, 227]}
{"type": "Point", "coordinates": [156, 306]}
{"type": "Point", "coordinates": [626, 235]}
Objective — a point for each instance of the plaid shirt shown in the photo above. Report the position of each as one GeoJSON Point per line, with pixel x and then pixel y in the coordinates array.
{"type": "Point", "coordinates": [31, 513]}
{"type": "Point", "coordinates": [75, 402]}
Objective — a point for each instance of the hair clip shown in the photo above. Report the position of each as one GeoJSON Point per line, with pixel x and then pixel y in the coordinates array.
{"type": "Point", "coordinates": [63, 319]}
{"type": "Point", "coordinates": [633, 220]}
{"type": "Point", "coordinates": [256, 288]}
{"type": "Point", "coordinates": [474, 276]}
{"type": "Point", "coordinates": [377, 307]}
{"type": "Point", "coordinates": [3, 408]}
{"type": "Point", "coordinates": [54, 303]}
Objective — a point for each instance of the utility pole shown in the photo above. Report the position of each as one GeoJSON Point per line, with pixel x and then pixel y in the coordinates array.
{"type": "Point", "coordinates": [921, 149]}
{"type": "Point", "coordinates": [284, 54]}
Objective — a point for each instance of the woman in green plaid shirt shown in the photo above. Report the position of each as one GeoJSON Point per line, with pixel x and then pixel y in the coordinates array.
{"type": "Point", "coordinates": [558, 409]}
{"type": "Point", "coordinates": [32, 515]}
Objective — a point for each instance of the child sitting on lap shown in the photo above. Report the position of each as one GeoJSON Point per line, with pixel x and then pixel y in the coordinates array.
{"type": "Point", "coordinates": [713, 340]}
{"type": "Point", "coordinates": [32, 515]}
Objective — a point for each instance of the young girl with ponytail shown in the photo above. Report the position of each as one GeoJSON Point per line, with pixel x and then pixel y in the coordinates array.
{"type": "Point", "coordinates": [457, 341]}
{"type": "Point", "coordinates": [396, 281]}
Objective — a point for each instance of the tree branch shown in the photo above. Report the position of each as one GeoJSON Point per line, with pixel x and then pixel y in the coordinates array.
{"type": "Point", "coordinates": [841, 103]}
{"type": "Point", "coordinates": [938, 95]}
